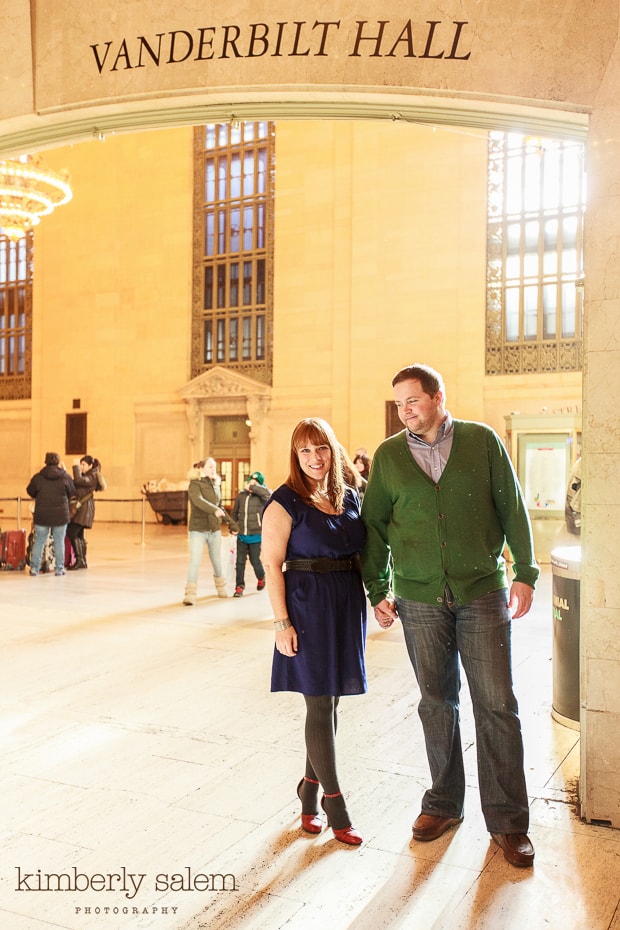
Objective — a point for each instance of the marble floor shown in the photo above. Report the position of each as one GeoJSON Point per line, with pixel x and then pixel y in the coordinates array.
{"type": "Point", "coordinates": [146, 763]}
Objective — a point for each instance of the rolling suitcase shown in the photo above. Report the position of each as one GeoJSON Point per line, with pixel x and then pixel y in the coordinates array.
{"type": "Point", "coordinates": [48, 562]}
{"type": "Point", "coordinates": [69, 553]}
{"type": "Point", "coordinates": [13, 550]}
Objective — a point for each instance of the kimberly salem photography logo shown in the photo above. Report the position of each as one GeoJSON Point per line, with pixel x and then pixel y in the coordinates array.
{"type": "Point", "coordinates": [122, 881]}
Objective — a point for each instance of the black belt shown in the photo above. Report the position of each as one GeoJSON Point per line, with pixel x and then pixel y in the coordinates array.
{"type": "Point", "coordinates": [323, 565]}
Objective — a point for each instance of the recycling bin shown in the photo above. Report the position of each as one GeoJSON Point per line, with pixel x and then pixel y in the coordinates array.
{"type": "Point", "coordinates": [566, 585]}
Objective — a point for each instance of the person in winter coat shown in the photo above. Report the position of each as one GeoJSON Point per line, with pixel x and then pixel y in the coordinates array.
{"type": "Point", "coordinates": [87, 478]}
{"type": "Point", "coordinates": [572, 507]}
{"type": "Point", "coordinates": [248, 513]}
{"type": "Point", "coordinates": [205, 519]}
{"type": "Point", "coordinates": [50, 489]}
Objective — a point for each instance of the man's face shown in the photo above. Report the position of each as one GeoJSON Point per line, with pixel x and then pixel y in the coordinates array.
{"type": "Point", "coordinates": [419, 412]}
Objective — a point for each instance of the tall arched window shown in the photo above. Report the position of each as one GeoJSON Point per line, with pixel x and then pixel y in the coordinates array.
{"type": "Point", "coordinates": [233, 248]}
{"type": "Point", "coordinates": [15, 317]}
{"type": "Point", "coordinates": [536, 200]}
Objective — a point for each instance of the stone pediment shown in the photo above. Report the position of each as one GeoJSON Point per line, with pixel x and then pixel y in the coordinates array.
{"type": "Point", "coordinates": [223, 382]}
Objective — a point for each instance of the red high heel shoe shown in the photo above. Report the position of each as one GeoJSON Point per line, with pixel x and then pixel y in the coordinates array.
{"type": "Point", "coordinates": [348, 835]}
{"type": "Point", "coordinates": [311, 823]}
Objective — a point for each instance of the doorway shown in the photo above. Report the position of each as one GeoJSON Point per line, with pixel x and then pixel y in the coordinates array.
{"type": "Point", "coordinates": [230, 447]}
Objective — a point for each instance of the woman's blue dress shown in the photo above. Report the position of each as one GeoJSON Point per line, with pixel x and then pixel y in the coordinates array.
{"type": "Point", "coordinates": [328, 610]}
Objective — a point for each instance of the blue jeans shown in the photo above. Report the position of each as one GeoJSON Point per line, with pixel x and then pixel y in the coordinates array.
{"type": "Point", "coordinates": [197, 541]}
{"type": "Point", "coordinates": [40, 535]}
{"type": "Point", "coordinates": [478, 633]}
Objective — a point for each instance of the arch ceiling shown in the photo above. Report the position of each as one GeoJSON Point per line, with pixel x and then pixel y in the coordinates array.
{"type": "Point", "coordinates": [73, 71]}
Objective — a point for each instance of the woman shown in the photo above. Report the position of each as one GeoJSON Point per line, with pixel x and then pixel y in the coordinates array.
{"type": "Point", "coordinates": [352, 477]}
{"type": "Point", "coordinates": [205, 519]}
{"type": "Point", "coordinates": [87, 479]}
{"type": "Point", "coordinates": [362, 463]}
{"type": "Point", "coordinates": [312, 535]}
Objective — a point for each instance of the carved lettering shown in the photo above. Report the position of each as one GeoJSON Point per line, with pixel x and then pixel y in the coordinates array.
{"type": "Point", "coordinates": [406, 36]}
{"type": "Point", "coordinates": [173, 42]}
{"type": "Point", "coordinates": [123, 53]}
{"type": "Point", "coordinates": [100, 62]}
{"type": "Point", "coordinates": [202, 42]}
{"type": "Point", "coordinates": [457, 36]}
{"type": "Point", "coordinates": [290, 39]}
{"type": "Point", "coordinates": [144, 44]}
{"type": "Point", "coordinates": [362, 38]}
{"type": "Point", "coordinates": [429, 41]}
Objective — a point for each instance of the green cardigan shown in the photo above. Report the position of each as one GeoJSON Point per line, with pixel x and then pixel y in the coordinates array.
{"type": "Point", "coordinates": [423, 535]}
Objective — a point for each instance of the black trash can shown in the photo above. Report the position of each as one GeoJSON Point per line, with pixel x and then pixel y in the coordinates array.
{"type": "Point", "coordinates": [566, 575]}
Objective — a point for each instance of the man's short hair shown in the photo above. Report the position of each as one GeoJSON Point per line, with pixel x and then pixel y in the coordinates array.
{"type": "Point", "coordinates": [430, 379]}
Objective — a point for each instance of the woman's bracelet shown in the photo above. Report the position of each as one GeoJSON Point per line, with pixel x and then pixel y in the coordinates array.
{"type": "Point", "coordinates": [282, 624]}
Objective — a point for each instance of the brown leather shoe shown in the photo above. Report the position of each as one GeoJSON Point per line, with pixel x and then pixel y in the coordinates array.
{"type": "Point", "coordinates": [517, 847]}
{"type": "Point", "coordinates": [431, 827]}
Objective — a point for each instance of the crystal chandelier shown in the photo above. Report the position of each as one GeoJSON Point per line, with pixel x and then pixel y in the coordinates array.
{"type": "Point", "coordinates": [28, 191]}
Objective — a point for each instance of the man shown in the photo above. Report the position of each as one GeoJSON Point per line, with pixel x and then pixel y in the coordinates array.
{"type": "Point", "coordinates": [51, 489]}
{"type": "Point", "coordinates": [248, 513]}
{"type": "Point", "coordinates": [442, 502]}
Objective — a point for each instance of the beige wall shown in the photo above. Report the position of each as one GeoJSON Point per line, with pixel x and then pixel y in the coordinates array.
{"type": "Point", "coordinates": [112, 306]}
{"type": "Point", "coordinates": [379, 262]}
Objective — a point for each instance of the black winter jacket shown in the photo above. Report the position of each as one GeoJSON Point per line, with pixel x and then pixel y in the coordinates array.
{"type": "Point", "coordinates": [85, 484]}
{"type": "Point", "coordinates": [248, 509]}
{"type": "Point", "coordinates": [51, 489]}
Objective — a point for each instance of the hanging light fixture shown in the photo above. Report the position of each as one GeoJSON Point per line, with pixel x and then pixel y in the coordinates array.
{"type": "Point", "coordinates": [28, 191]}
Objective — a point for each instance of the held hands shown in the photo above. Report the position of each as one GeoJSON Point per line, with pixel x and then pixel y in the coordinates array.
{"type": "Point", "coordinates": [386, 613]}
{"type": "Point", "coordinates": [520, 600]}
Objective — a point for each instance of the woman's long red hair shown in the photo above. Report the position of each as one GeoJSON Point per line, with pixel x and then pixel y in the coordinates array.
{"type": "Point", "coordinates": [316, 432]}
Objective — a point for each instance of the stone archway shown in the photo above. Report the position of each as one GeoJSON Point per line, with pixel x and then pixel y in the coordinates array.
{"type": "Point", "coordinates": [73, 72]}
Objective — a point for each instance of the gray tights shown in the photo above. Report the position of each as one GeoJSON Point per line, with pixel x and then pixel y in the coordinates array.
{"type": "Point", "coordinates": [320, 732]}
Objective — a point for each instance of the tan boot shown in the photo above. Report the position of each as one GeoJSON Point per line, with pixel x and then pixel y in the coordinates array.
{"type": "Point", "coordinates": [190, 595]}
{"type": "Point", "coordinates": [220, 586]}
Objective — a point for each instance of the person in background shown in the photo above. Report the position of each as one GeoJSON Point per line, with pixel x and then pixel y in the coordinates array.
{"type": "Point", "coordinates": [204, 528]}
{"type": "Point", "coordinates": [441, 504]}
{"type": "Point", "coordinates": [50, 489]}
{"type": "Point", "coordinates": [351, 475]}
{"type": "Point", "coordinates": [362, 463]}
{"type": "Point", "coordinates": [312, 536]}
{"type": "Point", "coordinates": [87, 479]}
{"type": "Point", "coordinates": [572, 505]}
{"type": "Point", "coordinates": [248, 513]}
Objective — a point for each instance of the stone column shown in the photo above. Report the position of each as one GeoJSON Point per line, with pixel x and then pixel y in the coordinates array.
{"type": "Point", "coordinates": [258, 408]}
{"type": "Point", "coordinates": [600, 575]}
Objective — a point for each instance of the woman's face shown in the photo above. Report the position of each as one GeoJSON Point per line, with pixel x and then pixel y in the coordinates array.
{"type": "Point", "coordinates": [315, 461]}
{"type": "Point", "coordinates": [210, 468]}
{"type": "Point", "coordinates": [359, 465]}
{"type": "Point", "coordinates": [84, 466]}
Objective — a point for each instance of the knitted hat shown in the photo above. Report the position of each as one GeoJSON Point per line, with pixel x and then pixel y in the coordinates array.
{"type": "Point", "coordinates": [258, 476]}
